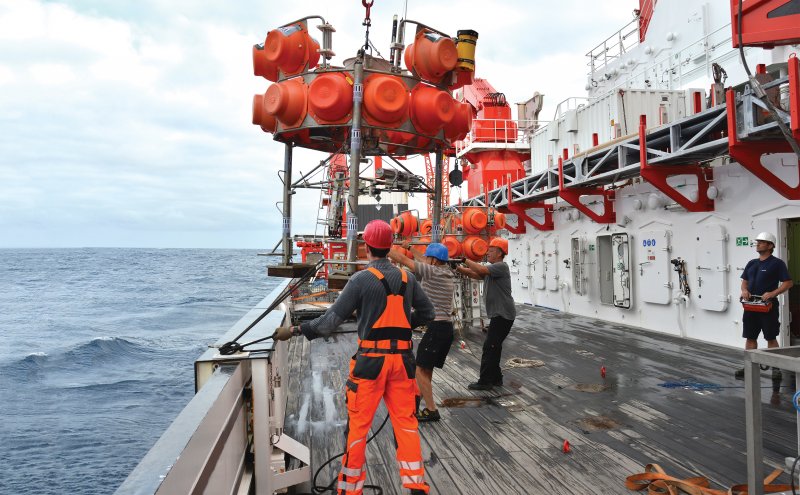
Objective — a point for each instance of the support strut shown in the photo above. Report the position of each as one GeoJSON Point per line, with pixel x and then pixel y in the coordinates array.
{"type": "Point", "coordinates": [573, 196]}
{"type": "Point", "coordinates": [521, 211]}
{"type": "Point", "coordinates": [657, 175]}
{"type": "Point", "coordinates": [748, 153]}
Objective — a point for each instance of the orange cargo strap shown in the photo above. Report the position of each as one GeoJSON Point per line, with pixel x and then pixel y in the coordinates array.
{"type": "Point", "coordinates": [394, 316]}
{"type": "Point", "coordinates": [656, 480]}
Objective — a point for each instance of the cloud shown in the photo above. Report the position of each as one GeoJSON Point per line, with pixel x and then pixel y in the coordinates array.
{"type": "Point", "coordinates": [128, 123]}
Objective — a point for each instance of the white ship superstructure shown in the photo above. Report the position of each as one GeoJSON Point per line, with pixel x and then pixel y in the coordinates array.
{"type": "Point", "coordinates": [617, 266]}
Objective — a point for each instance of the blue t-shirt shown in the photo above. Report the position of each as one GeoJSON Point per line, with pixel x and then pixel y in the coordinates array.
{"type": "Point", "coordinates": [765, 276]}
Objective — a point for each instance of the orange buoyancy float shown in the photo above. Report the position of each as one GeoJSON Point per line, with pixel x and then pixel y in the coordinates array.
{"type": "Point", "coordinates": [286, 101]}
{"type": "Point", "coordinates": [499, 220]}
{"type": "Point", "coordinates": [426, 227]}
{"type": "Point", "coordinates": [475, 248]}
{"type": "Point", "coordinates": [385, 100]}
{"type": "Point", "coordinates": [404, 224]}
{"type": "Point", "coordinates": [431, 108]}
{"type": "Point", "coordinates": [453, 246]}
{"type": "Point", "coordinates": [474, 220]}
{"type": "Point", "coordinates": [290, 48]}
{"type": "Point", "coordinates": [461, 123]}
{"type": "Point", "coordinates": [431, 56]}
{"type": "Point", "coordinates": [330, 98]}
{"type": "Point", "coordinates": [263, 67]}
{"type": "Point", "coordinates": [261, 117]}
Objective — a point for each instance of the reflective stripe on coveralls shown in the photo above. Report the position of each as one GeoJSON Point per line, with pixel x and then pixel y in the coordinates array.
{"type": "Point", "coordinates": [384, 368]}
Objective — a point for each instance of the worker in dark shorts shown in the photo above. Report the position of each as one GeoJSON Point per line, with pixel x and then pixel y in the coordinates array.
{"type": "Point", "coordinates": [765, 276]}
{"type": "Point", "coordinates": [438, 283]}
{"type": "Point", "coordinates": [388, 303]}
{"type": "Point", "coordinates": [500, 308]}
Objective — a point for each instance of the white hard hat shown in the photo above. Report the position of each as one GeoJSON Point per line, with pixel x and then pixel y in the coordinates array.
{"type": "Point", "coordinates": [766, 236]}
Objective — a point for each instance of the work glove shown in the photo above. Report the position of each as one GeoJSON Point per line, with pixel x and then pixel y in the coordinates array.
{"type": "Point", "coordinates": [283, 333]}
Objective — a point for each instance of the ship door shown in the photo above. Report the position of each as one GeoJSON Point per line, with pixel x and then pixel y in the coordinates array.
{"type": "Point", "coordinates": [792, 258]}
{"type": "Point", "coordinates": [654, 267]}
{"type": "Point", "coordinates": [614, 261]}
{"type": "Point", "coordinates": [712, 268]}
{"type": "Point", "coordinates": [537, 264]}
{"type": "Point", "coordinates": [551, 264]}
{"type": "Point", "coordinates": [578, 255]}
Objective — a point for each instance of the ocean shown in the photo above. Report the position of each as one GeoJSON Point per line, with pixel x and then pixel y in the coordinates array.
{"type": "Point", "coordinates": [96, 354]}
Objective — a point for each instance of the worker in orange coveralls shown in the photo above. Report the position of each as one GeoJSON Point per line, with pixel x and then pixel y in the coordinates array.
{"type": "Point", "coordinates": [384, 365]}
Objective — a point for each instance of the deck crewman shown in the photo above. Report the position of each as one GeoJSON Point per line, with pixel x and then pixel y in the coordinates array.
{"type": "Point", "coordinates": [438, 283]}
{"type": "Point", "coordinates": [389, 303]}
{"type": "Point", "coordinates": [499, 307]}
{"type": "Point", "coordinates": [767, 277]}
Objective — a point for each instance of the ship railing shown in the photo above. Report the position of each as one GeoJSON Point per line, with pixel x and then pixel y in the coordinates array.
{"type": "Point", "coordinates": [498, 133]}
{"type": "Point", "coordinates": [229, 438]}
{"type": "Point", "coordinates": [614, 46]}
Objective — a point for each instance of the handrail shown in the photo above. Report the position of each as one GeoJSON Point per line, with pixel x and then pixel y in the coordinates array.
{"type": "Point", "coordinates": [622, 42]}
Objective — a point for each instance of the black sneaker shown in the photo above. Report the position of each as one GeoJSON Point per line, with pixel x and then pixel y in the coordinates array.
{"type": "Point", "coordinates": [426, 415]}
{"type": "Point", "coordinates": [480, 386]}
{"type": "Point", "coordinates": [739, 374]}
{"type": "Point", "coordinates": [418, 492]}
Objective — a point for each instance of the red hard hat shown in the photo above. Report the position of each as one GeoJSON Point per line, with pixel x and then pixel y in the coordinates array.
{"type": "Point", "coordinates": [499, 243]}
{"type": "Point", "coordinates": [378, 234]}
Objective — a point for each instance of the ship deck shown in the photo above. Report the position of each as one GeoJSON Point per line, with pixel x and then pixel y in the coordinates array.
{"type": "Point", "coordinates": [510, 440]}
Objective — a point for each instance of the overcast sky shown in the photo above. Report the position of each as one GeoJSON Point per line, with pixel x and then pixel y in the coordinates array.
{"type": "Point", "coordinates": [127, 123]}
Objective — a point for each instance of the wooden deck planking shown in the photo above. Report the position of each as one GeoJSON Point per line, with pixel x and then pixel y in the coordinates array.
{"type": "Point", "coordinates": [516, 448]}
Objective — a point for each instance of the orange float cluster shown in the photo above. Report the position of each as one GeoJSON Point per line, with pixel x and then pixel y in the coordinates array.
{"type": "Point", "coordinates": [403, 112]}
{"type": "Point", "coordinates": [465, 234]}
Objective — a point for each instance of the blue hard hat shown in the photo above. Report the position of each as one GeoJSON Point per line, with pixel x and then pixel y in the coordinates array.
{"type": "Point", "coordinates": [437, 250]}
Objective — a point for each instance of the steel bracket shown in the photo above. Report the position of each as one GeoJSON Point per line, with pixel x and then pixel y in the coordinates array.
{"type": "Point", "coordinates": [657, 175]}
{"type": "Point", "coordinates": [748, 153]}
{"type": "Point", "coordinates": [573, 196]}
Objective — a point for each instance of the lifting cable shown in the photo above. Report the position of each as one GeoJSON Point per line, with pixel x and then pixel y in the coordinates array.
{"type": "Point", "coordinates": [234, 346]}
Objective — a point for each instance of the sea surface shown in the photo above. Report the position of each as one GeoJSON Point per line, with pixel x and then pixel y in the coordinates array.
{"type": "Point", "coordinates": [96, 354]}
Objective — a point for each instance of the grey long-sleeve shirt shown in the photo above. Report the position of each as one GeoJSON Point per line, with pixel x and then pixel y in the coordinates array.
{"type": "Point", "coordinates": [365, 293]}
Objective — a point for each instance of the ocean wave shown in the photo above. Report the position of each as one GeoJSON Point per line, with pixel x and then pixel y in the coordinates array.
{"type": "Point", "coordinates": [90, 354]}
{"type": "Point", "coordinates": [196, 300]}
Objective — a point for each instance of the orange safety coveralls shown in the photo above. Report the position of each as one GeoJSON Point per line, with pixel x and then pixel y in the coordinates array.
{"type": "Point", "coordinates": [383, 369]}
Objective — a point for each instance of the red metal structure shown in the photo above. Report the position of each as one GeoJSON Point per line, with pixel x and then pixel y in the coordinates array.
{"type": "Point", "coordinates": [646, 8]}
{"type": "Point", "coordinates": [430, 177]}
{"type": "Point", "coordinates": [766, 23]}
{"type": "Point", "coordinates": [496, 161]}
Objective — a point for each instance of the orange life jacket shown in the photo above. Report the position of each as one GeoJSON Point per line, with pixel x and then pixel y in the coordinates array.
{"type": "Point", "coordinates": [393, 322]}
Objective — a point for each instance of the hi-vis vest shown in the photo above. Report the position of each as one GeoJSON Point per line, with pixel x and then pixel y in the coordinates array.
{"type": "Point", "coordinates": [393, 323]}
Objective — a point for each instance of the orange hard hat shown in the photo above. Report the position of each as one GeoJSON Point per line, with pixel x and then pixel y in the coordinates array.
{"type": "Point", "coordinates": [378, 234]}
{"type": "Point", "coordinates": [499, 243]}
